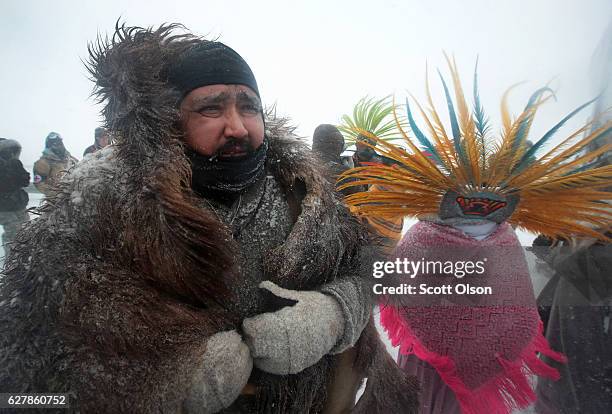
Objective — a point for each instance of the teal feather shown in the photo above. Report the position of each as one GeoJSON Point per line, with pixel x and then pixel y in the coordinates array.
{"type": "Point", "coordinates": [525, 159]}
{"type": "Point", "coordinates": [481, 119]}
{"type": "Point", "coordinates": [426, 143]}
{"type": "Point", "coordinates": [454, 122]}
{"type": "Point", "coordinates": [592, 164]}
{"type": "Point", "coordinates": [521, 135]}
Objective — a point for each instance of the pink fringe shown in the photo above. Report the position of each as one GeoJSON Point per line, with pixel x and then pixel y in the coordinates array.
{"type": "Point", "coordinates": [507, 391]}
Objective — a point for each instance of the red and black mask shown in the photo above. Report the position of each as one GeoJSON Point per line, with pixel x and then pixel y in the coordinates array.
{"type": "Point", "coordinates": [480, 205]}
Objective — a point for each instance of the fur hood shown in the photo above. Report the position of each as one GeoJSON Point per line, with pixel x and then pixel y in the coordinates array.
{"type": "Point", "coordinates": [132, 202]}
{"type": "Point", "coordinates": [141, 114]}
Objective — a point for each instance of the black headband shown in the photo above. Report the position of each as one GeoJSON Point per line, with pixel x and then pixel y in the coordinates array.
{"type": "Point", "coordinates": [210, 63]}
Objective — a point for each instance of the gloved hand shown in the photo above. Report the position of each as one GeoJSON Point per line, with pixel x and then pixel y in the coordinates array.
{"type": "Point", "coordinates": [295, 337]}
{"type": "Point", "coordinates": [224, 371]}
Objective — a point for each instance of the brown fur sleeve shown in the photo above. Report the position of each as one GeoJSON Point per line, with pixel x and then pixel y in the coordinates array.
{"type": "Point", "coordinates": [107, 294]}
{"type": "Point", "coordinates": [136, 350]}
{"type": "Point", "coordinates": [71, 322]}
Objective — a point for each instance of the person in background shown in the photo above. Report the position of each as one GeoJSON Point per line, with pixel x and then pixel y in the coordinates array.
{"type": "Point", "coordinates": [101, 139]}
{"type": "Point", "coordinates": [53, 164]}
{"type": "Point", "coordinates": [328, 145]}
{"type": "Point", "coordinates": [575, 308]}
{"type": "Point", "coordinates": [13, 198]}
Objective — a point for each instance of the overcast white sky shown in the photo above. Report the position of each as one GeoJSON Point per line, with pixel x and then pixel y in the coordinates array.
{"type": "Point", "coordinates": [314, 59]}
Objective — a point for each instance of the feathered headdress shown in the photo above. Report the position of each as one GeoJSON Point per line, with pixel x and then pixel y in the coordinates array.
{"type": "Point", "coordinates": [469, 176]}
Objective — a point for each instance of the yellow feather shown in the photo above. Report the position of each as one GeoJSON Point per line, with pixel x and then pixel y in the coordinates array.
{"type": "Point", "coordinates": [427, 167]}
{"type": "Point", "coordinates": [595, 178]}
{"type": "Point", "coordinates": [505, 112]}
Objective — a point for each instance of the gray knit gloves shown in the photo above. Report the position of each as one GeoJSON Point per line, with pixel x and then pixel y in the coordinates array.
{"type": "Point", "coordinates": [283, 342]}
{"type": "Point", "coordinates": [225, 370]}
{"type": "Point", "coordinates": [294, 338]}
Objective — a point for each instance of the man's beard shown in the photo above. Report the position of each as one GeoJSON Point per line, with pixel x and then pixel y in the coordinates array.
{"type": "Point", "coordinates": [219, 175]}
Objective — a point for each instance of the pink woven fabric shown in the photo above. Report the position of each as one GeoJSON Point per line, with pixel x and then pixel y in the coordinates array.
{"type": "Point", "coordinates": [484, 353]}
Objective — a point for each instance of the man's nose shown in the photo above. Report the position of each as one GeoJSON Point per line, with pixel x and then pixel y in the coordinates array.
{"type": "Point", "coordinates": [234, 125]}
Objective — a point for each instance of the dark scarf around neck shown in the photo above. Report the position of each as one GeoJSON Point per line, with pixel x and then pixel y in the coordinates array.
{"type": "Point", "coordinates": [217, 177]}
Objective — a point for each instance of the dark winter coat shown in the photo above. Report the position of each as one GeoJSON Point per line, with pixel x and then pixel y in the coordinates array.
{"type": "Point", "coordinates": [91, 149]}
{"type": "Point", "coordinates": [576, 306]}
{"type": "Point", "coordinates": [13, 178]}
{"type": "Point", "coordinates": [112, 293]}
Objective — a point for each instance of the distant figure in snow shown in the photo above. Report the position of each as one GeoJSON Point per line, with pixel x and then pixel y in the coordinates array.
{"type": "Point", "coordinates": [53, 164]}
{"type": "Point", "coordinates": [13, 198]}
{"type": "Point", "coordinates": [101, 139]}
{"type": "Point", "coordinates": [328, 145]}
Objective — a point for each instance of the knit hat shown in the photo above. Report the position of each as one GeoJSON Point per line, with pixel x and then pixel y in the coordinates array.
{"type": "Point", "coordinates": [328, 140]}
{"type": "Point", "coordinates": [9, 147]}
{"type": "Point", "coordinates": [99, 132]}
{"type": "Point", "coordinates": [210, 63]}
{"type": "Point", "coordinates": [51, 138]}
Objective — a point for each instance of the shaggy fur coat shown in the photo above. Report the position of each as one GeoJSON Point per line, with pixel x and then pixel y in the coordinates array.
{"type": "Point", "coordinates": [112, 292]}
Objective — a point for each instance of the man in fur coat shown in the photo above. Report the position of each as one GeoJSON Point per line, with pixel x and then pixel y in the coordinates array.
{"type": "Point", "coordinates": [202, 264]}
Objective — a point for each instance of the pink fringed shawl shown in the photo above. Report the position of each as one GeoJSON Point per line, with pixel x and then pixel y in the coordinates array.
{"type": "Point", "coordinates": [484, 353]}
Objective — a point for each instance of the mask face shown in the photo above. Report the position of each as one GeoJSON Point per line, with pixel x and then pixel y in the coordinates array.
{"type": "Point", "coordinates": [477, 206]}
